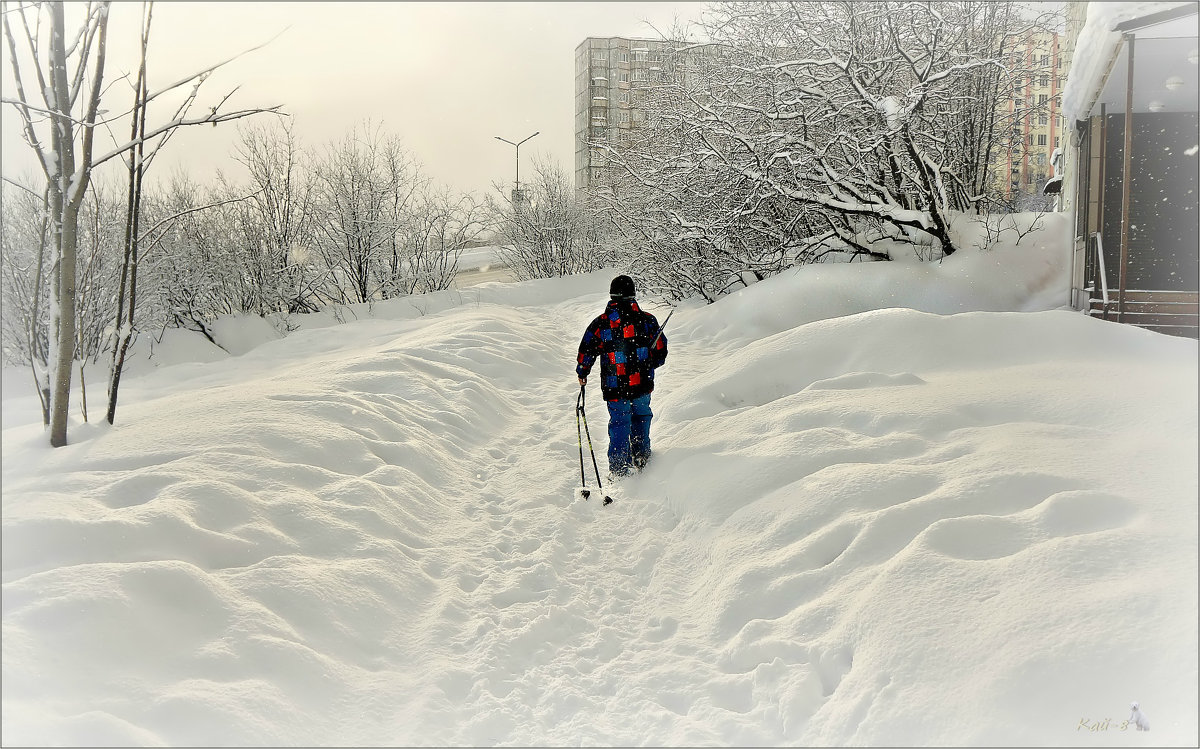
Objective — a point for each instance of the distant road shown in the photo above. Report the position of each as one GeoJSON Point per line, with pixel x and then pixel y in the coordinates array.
{"type": "Point", "coordinates": [467, 279]}
{"type": "Point", "coordinates": [481, 265]}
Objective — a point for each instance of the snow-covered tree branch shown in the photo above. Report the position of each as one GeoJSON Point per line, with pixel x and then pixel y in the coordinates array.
{"type": "Point", "coordinates": [810, 129]}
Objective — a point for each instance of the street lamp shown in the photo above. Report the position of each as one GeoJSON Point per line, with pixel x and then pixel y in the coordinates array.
{"type": "Point", "coordinates": [518, 145]}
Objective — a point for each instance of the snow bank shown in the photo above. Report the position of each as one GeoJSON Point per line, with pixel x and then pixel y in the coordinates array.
{"type": "Point", "coordinates": [885, 527]}
{"type": "Point", "coordinates": [1023, 271]}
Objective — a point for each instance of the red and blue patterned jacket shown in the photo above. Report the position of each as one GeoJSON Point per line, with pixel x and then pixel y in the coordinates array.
{"type": "Point", "coordinates": [621, 339]}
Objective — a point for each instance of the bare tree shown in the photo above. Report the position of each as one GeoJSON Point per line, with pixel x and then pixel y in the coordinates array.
{"type": "Point", "coordinates": [68, 70]}
{"type": "Point", "coordinates": [437, 229]}
{"type": "Point", "coordinates": [365, 184]}
{"type": "Point", "coordinates": [26, 237]}
{"type": "Point", "coordinates": [65, 163]}
{"type": "Point", "coordinates": [551, 233]}
{"type": "Point", "coordinates": [277, 221]}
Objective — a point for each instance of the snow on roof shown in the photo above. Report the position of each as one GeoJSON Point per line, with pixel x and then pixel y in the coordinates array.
{"type": "Point", "coordinates": [1096, 49]}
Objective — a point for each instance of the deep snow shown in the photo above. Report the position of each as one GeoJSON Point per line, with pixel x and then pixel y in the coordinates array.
{"type": "Point", "coordinates": [890, 504]}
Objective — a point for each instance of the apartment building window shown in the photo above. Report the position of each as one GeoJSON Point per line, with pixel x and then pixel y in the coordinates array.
{"type": "Point", "coordinates": [1041, 159]}
{"type": "Point", "coordinates": [1056, 141]}
{"type": "Point", "coordinates": [638, 115]}
{"type": "Point", "coordinates": [625, 97]}
{"type": "Point", "coordinates": [1042, 99]}
{"type": "Point", "coordinates": [1044, 80]}
{"type": "Point", "coordinates": [656, 56]}
{"type": "Point", "coordinates": [1044, 61]}
{"type": "Point", "coordinates": [599, 55]}
{"type": "Point", "coordinates": [1042, 139]}
{"type": "Point", "coordinates": [599, 132]}
{"type": "Point", "coordinates": [624, 118]}
{"type": "Point", "coordinates": [624, 77]}
{"type": "Point", "coordinates": [639, 97]}
{"type": "Point", "coordinates": [1029, 179]}
{"type": "Point", "coordinates": [1043, 119]}
{"type": "Point", "coordinates": [624, 56]}
{"type": "Point", "coordinates": [1029, 139]}
{"type": "Point", "coordinates": [639, 74]}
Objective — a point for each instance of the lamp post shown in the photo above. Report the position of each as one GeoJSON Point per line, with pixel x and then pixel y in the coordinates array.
{"type": "Point", "coordinates": [517, 188]}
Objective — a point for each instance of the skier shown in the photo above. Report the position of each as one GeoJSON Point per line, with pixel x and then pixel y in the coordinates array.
{"type": "Point", "coordinates": [630, 346]}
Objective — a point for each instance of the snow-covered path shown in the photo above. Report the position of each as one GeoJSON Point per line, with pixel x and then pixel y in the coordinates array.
{"type": "Point", "coordinates": [894, 527]}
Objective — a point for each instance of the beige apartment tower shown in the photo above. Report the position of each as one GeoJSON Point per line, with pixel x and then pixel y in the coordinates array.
{"type": "Point", "coordinates": [612, 77]}
{"type": "Point", "coordinates": [1022, 171]}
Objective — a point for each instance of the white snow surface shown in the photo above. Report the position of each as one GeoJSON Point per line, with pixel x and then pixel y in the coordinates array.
{"type": "Point", "coordinates": [890, 504]}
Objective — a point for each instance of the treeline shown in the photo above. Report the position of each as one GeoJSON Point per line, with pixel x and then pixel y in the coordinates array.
{"type": "Point", "coordinates": [95, 253]}
{"type": "Point", "coordinates": [353, 221]}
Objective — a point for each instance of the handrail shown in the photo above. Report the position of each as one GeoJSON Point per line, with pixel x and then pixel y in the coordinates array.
{"type": "Point", "coordinates": [1103, 274]}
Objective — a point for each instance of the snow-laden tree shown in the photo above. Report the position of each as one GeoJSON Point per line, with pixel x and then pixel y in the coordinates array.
{"type": "Point", "coordinates": [277, 217]}
{"type": "Point", "coordinates": [366, 186]}
{"type": "Point", "coordinates": [436, 229]}
{"type": "Point", "coordinates": [548, 230]}
{"type": "Point", "coordinates": [25, 217]}
{"type": "Point", "coordinates": [804, 129]}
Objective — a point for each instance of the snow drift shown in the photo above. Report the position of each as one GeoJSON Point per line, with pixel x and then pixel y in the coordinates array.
{"type": "Point", "coordinates": [868, 521]}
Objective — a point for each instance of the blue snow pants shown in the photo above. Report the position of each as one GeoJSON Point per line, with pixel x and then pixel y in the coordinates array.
{"type": "Point", "coordinates": [628, 433]}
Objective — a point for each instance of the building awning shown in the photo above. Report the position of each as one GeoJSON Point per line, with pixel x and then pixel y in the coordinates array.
{"type": "Point", "coordinates": [1165, 70]}
{"type": "Point", "coordinates": [1053, 186]}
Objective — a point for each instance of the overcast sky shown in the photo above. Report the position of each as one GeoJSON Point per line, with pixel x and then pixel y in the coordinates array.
{"type": "Point", "coordinates": [447, 77]}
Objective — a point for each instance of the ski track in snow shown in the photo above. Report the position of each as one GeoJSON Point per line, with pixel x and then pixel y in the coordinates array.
{"type": "Point", "coordinates": [373, 540]}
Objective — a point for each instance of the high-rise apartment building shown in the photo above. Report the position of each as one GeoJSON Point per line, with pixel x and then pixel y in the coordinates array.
{"type": "Point", "coordinates": [612, 77]}
{"type": "Point", "coordinates": [1034, 114]}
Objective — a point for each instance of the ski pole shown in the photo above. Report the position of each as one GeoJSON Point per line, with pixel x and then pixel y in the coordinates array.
{"type": "Point", "coordinates": [583, 411]}
{"type": "Point", "coordinates": [579, 438]}
{"type": "Point", "coordinates": [586, 431]}
{"type": "Point", "coordinates": [661, 328]}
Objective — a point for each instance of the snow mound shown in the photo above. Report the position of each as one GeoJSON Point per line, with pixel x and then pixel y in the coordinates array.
{"type": "Point", "coordinates": [886, 527]}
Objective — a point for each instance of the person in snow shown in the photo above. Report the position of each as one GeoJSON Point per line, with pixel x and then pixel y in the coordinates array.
{"type": "Point", "coordinates": [630, 346]}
